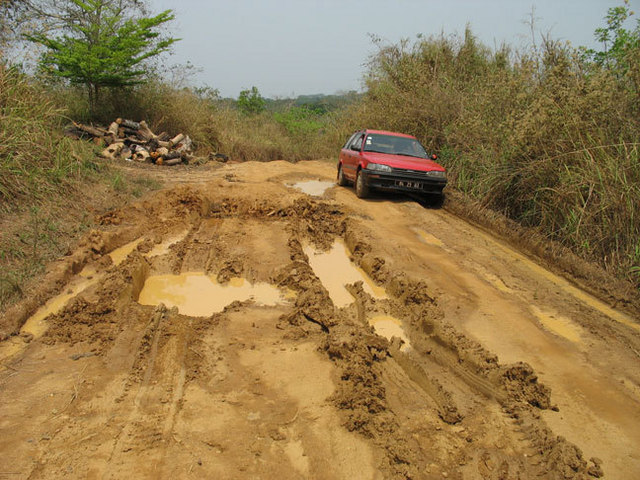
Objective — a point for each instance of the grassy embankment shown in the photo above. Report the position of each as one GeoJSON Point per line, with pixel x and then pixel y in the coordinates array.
{"type": "Point", "coordinates": [544, 137]}
{"type": "Point", "coordinates": [50, 185]}
{"type": "Point", "coordinates": [282, 131]}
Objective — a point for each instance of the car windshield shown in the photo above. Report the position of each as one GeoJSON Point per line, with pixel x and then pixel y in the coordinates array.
{"type": "Point", "coordinates": [393, 145]}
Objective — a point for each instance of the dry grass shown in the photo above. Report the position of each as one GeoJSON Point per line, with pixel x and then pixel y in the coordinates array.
{"type": "Point", "coordinates": [214, 125]}
{"type": "Point", "coordinates": [543, 136]}
{"type": "Point", "coordinates": [50, 185]}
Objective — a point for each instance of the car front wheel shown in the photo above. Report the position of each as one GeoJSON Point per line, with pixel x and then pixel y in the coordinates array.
{"type": "Point", "coordinates": [434, 200]}
{"type": "Point", "coordinates": [362, 190]}
{"type": "Point", "coordinates": [342, 181]}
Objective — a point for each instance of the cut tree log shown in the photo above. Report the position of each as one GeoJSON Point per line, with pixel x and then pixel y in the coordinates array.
{"type": "Point", "coordinates": [128, 124]}
{"type": "Point", "coordinates": [173, 161]}
{"type": "Point", "coordinates": [145, 132]}
{"type": "Point", "coordinates": [177, 139]}
{"type": "Point", "coordinates": [113, 150]}
{"type": "Point", "coordinates": [172, 154]}
{"type": "Point", "coordinates": [141, 155]}
{"type": "Point", "coordinates": [185, 145]}
{"type": "Point", "coordinates": [96, 132]}
{"type": "Point", "coordinates": [112, 133]}
{"type": "Point", "coordinates": [113, 129]}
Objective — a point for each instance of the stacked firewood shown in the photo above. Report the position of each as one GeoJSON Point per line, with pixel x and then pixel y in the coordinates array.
{"type": "Point", "coordinates": [134, 141]}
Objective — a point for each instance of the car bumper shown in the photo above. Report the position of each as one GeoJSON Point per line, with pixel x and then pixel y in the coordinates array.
{"type": "Point", "coordinates": [404, 182]}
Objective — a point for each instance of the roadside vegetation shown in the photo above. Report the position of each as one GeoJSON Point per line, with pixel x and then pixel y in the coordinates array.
{"type": "Point", "coordinates": [549, 137]}
{"type": "Point", "coordinates": [49, 184]}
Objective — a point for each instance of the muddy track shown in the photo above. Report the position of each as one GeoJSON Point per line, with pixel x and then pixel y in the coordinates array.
{"type": "Point", "coordinates": [197, 333]}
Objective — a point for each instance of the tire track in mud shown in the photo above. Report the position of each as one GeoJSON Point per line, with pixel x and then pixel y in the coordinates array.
{"type": "Point", "coordinates": [158, 378]}
{"type": "Point", "coordinates": [509, 385]}
{"type": "Point", "coordinates": [454, 381]}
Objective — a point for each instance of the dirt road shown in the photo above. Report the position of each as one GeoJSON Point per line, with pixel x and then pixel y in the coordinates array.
{"type": "Point", "coordinates": [257, 321]}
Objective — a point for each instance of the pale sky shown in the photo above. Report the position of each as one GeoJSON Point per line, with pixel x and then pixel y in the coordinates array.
{"type": "Point", "coordinates": [298, 47]}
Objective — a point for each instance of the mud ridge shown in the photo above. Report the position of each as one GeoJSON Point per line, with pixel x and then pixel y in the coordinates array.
{"type": "Point", "coordinates": [513, 386]}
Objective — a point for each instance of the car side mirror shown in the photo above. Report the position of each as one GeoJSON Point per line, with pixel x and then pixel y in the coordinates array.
{"type": "Point", "coordinates": [434, 157]}
{"type": "Point", "coordinates": [355, 148]}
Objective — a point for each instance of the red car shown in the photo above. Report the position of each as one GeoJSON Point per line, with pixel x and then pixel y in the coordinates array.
{"type": "Point", "coordinates": [375, 159]}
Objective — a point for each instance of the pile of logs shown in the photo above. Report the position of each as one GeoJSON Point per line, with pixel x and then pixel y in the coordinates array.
{"type": "Point", "coordinates": [134, 141]}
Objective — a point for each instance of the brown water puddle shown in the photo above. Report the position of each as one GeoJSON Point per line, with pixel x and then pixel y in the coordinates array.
{"type": "Point", "coordinates": [428, 238]}
{"type": "Point", "coordinates": [389, 327]}
{"type": "Point", "coordinates": [497, 282]}
{"type": "Point", "coordinates": [199, 295]}
{"type": "Point", "coordinates": [163, 247]}
{"type": "Point", "coordinates": [565, 285]}
{"type": "Point", "coordinates": [36, 325]}
{"type": "Point", "coordinates": [315, 188]}
{"type": "Point", "coordinates": [335, 270]}
{"type": "Point", "coordinates": [119, 254]}
{"type": "Point", "coordinates": [559, 325]}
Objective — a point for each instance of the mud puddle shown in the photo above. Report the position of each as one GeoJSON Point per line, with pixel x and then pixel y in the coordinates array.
{"type": "Point", "coordinates": [428, 238]}
{"type": "Point", "coordinates": [389, 327]}
{"type": "Point", "coordinates": [199, 295]}
{"type": "Point", "coordinates": [36, 325]}
{"type": "Point", "coordinates": [558, 325]}
{"type": "Point", "coordinates": [335, 270]}
{"type": "Point", "coordinates": [119, 254]}
{"type": "Point", "coordinates": [162, 248]}
{"type": "Point", "coordinates": [315, 188]}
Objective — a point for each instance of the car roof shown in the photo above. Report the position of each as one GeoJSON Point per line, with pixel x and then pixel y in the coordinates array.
{"type": "Point", "coordinates": [385, 132]}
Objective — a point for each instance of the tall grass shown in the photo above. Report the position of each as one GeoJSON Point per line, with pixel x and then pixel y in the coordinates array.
{"type": "Point", "coordinates": [45, 179]}
{"type": "Point", "coordinates": [36, 160]}
{"type": "Point", "coordinates": [214, 125]}
{"type": "Point", "coordinates": [543, 136]}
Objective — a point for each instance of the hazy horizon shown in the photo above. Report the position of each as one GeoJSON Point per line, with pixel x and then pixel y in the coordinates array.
{"type": "Point", "coordinates": [307, 47]}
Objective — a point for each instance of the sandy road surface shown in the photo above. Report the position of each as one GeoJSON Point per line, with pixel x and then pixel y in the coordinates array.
{"type": "Point", "coordinates": [206, 332]}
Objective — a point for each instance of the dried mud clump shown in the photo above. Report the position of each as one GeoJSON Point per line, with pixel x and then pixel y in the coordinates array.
{"type": "Point", "coordinates": [113, 217]}
{"type": "Point", "coordinates": [312, 306]}
{"type": "Point", "coordinates": [82, 321]}
{"type": "Point", "coordinates": [230, 269]}
{"type": "Point", "coordinates": [561, 459]}
{"type": "Point", "coordinates": [312, 301]}
{"type": "Point", "coordinates": [186, 200]}
{"type": "Point", "coordinates": [521, 383]}
{"type": "Point", "coordinates": [320, 222]}
{"type": "Point", "coordinates": [361, 394]}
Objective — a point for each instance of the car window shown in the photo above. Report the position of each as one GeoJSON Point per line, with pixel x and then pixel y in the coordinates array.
{"type": "Point", "coordinates": [394, 145]}
{"type": "Point", "coordinates": [358, 141]}
{"type": "Point", "coordinates": [351, 138]}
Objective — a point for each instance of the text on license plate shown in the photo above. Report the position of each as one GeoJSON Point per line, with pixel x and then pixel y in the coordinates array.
{"type": "Point", "coordinates": [401, 183]}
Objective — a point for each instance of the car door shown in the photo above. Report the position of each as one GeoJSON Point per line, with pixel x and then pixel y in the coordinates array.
{"type": "Point", "coordinates": [352, 156]}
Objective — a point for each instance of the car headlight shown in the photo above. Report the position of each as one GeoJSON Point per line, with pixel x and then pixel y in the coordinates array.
{"type": "Point", "coordinates": [437, 174]}
{"type": "Point", "coordinates": [378, 167]}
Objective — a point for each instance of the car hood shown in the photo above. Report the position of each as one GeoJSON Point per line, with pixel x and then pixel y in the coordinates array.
{"type": "Point", "coordinates": [402, 161]}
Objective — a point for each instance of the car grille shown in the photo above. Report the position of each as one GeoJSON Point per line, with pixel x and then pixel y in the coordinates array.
{"type": "Point", "coordinates": [418, 173]}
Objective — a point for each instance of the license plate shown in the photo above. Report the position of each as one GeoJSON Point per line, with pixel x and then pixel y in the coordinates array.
{"type": "Point", "coordinates": [400, 183]}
